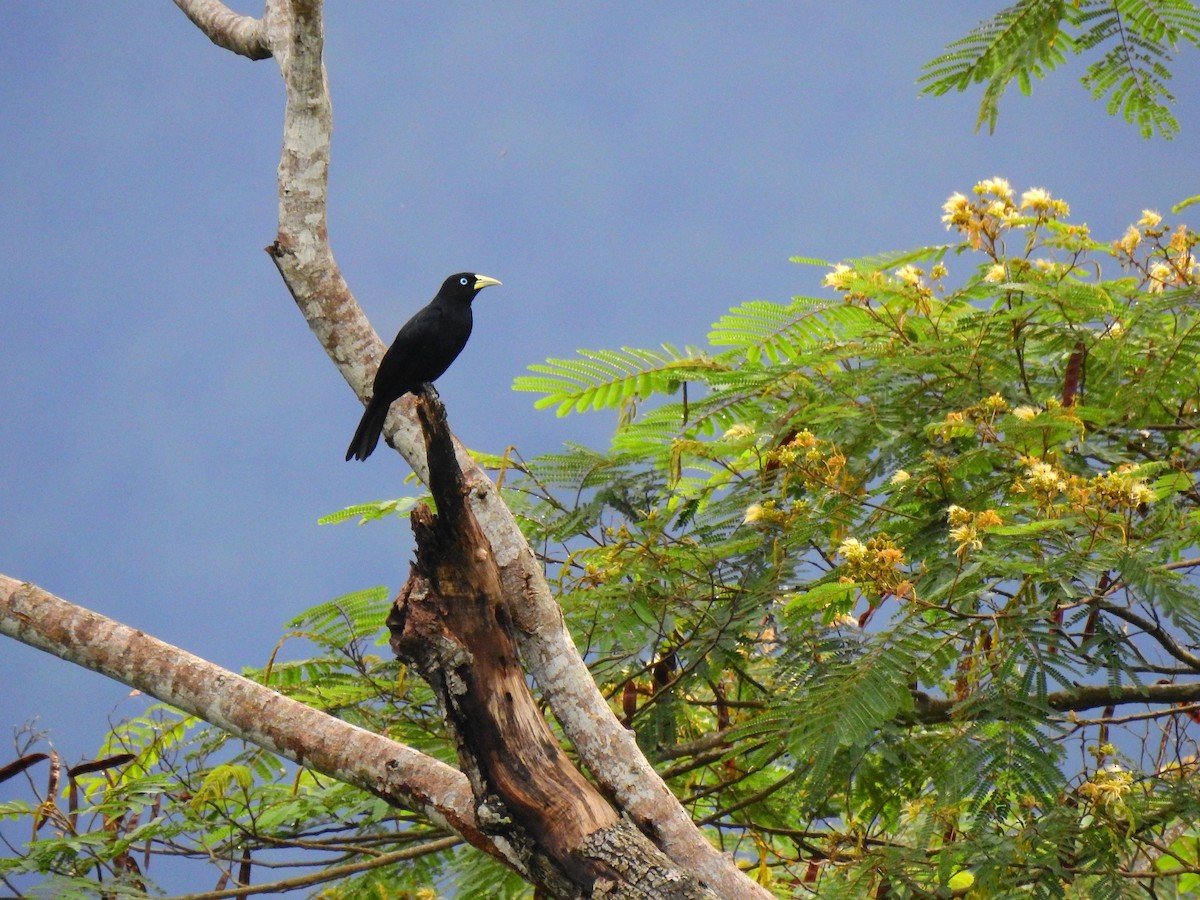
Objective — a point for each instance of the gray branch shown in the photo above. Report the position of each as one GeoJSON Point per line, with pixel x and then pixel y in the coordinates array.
{"type": "Point", "coordinates": [243, 35]}
{"type": "Point", "coordinates": [246, 709]}
{"type": "Point", "coordinates": [305, 260]}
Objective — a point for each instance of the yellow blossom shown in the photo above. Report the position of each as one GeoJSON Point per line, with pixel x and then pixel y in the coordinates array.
{"type": "Point", "coordinates": [909, 274]}
{"type": "Point", "coordinates": [959, 516]}
{"type": "Point", "coordinates": [1150, 219]}
{"type": "Point", "coordinates": [1140, 493]}
{"type": "Point", "coordinates": [875, 566]}
{"type": "Point", "coordinates": [995, 274]}
{"type": "Point", "coordinates": [853, 550]}
{"type": "Point", "coordinates": [740, 430]}
{"type": "Point", "coordinates": [967, 539]}
{"type": "Point", "coordinates": [1108, 786]}
{"type": "Point", "coordinates": [844, 621]}
{"type": "Point", "coordinates": [1025, 412]}
{"type": "Point", "coordinates": [1011, 218]}
{"type": "Point", "coordinates": [1129, 240]}
{"type": "Point", "coordinates": [939, 271]}
{"type": "Point", "coordinates": [997, 186]}
{"type": "Point", "coordinates": [1040, 201]}
{"type": "Point", "coordinates": [965, 525]}
{"type": "Point", "coordinates": [957, 209]}
{"type": "Point", "coordinates": [1180, 239]}
{"type": "Point", "coordinates": [1117, 490]}
{"type": "Point", "coordinates": [890, 556]}
{"type": "Point", "coordinates": [840, 278]}
{"type": "Point", "coordinates": [899, 477]}
{"type": "Point", "coordinates": [998, 208]}
{"type": "Point", "coordinates": [1037, 199]}
{"type": "Point", "coordinates": [1080, 231]}
{"type": "Point", "coordinates": [912, 810]}
{"type": "Point", "coordinates": [1049, 265]}
{"type": "Point", "coordinates": [1160, 275]}
{"type": "Point", "coordinates": [994, 403]}
{"type": "Point", "coordinates": [1045, 477]}
{"type": "Point", "coordinates": [782, 456]}
{"type": "Point", "coordinates": [754, 512]}
{"type": "Point", "coordinates": [989, 518]}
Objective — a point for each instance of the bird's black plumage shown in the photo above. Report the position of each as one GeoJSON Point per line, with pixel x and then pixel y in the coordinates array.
{"type": "Point", "coordinates": [421, 352]}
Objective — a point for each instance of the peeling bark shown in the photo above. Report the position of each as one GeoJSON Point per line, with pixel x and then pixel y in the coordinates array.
{"type": "Point", "coordinates": [452, 621]}
{"type": "Point", "coordinates": [301, 251]}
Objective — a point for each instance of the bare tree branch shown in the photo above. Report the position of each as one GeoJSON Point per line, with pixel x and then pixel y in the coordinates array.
{"type": "Point", "coordinates": [309, 737]}
{"type": "Point", "coordinates": [243, 35]}
{"type": "Point", "coordinates": [453, 621]}
{"type": "Point", "coordinates": [1154, 630]}
{"type": "Point", "coordinates": [305, 260]}
{"type": "Point", "coordinates": [938, 711]}
{"type": "Point", "coordinates": [326, 875]}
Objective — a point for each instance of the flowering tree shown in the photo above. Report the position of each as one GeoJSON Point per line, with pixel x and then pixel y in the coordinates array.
{"type": "Point", "coordinates": [894, 587]}
{"type": "Point", "coordinates": [918, 559]}
{"type": "Point", "coordinates": [476, 586]}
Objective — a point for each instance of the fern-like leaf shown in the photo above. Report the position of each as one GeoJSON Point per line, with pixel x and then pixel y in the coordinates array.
{"type": "Point", "coordinates": [600, 379]}
{"type": "Point", "coordinates": [1029, 38]}
{"type": "Point", "coordinates": [772, 329]}
{"type": "Point", "coordinates": [370, 512]}
{"type": "Point", "coordinates": [1133, 74]}
{"type": "Point", "coordinates": [896, 258]}
{"type": "Point", "coordinates": [338, 622]}
{"type": "Point", "coordinates": [1020, 41]}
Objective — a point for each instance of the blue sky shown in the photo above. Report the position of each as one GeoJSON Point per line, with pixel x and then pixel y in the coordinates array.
{"type": "Point", "coordinates": [172, 431]}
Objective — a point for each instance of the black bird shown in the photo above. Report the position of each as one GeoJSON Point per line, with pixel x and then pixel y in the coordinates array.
{"type": "Point", "coordinates": [421, 352]}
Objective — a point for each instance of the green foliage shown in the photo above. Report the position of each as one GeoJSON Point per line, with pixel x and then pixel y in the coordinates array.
{"type": "Point", "coordinates": [371, 512]}
{"type": "Point", "coordinates": [601, 379]}
{"type": "Point", "coordinates": [173, 787]}
{"type": "Point", "coordinates": [860, 578]}
{"type": "Point", "coordinates": [351, 617]}
{"type": "Point", "coordinates": [872, 576]}
{"type": "Point", "coordinates": [1135, 40]}
{"type": "Point", "coordinates": [1021, 41]}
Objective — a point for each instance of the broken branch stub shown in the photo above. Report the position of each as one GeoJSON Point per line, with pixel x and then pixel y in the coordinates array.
{"type": "Point", "coordinates": [452, 622]}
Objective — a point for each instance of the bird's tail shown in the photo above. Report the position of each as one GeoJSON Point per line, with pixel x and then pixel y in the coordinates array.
{"type": "Point", "coordinates": [370, 427]}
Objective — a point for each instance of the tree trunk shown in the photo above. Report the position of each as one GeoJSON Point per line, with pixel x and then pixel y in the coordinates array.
{"type": "Point", "coordinates": [453, 622]}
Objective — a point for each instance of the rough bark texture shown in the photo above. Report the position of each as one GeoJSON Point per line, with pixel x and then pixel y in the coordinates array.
{"type": "Point", "coordinates": [294, 35]}
{"type": "Point", "coordinates": [311, 738]}
{"type": "Point", "coordinates": [452, 621]}
{"type": "Point", "coordinates": [305, 260]}
{"type": "Point", "coordinates": [242, 35]}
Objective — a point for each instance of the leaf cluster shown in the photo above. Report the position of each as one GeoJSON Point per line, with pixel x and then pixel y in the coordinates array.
{"type": "Point", "coordinates": [1135, 41]}
{"type": "Point", "coordinates": [882, 578]}
{"type": "Point", "coordinates": [851, 585]}
{"type": "Point", "coordinates": [167, 790]}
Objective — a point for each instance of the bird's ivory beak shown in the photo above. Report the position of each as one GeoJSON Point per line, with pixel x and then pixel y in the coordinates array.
{"type": "Point", "coordinates": [482, 281]}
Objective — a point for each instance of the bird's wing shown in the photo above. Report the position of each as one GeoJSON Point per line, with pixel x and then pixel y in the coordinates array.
{"type": "Point", "coordinates": [400, 366]}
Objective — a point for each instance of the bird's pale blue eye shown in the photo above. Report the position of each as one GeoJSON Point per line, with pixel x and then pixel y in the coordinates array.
{"type": "Point", "coordinates": [462, 281]}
